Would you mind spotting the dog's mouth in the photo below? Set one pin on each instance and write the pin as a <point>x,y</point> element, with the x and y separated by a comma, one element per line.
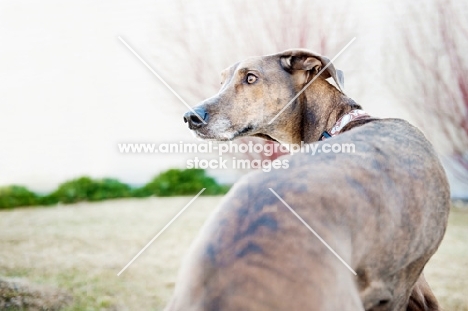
<point>227,135</point>
<point>249,130</point>
<point>265,136</point>
<point>245,131</point>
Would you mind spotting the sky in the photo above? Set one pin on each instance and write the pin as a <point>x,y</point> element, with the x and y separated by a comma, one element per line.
<point>70,91</point>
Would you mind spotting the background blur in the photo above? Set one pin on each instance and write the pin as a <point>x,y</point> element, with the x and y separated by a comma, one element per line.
<point>70,90</point>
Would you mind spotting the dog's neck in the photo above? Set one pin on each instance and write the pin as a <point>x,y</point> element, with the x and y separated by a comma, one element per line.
<point>318,109</point>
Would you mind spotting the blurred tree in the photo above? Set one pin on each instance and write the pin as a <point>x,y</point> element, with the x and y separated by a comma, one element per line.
<point>431,76</point>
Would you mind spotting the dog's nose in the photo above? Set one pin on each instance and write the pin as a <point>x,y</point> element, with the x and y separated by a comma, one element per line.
<point>196,118</point>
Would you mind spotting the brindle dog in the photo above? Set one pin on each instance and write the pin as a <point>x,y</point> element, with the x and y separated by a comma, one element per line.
<point>383,208</point>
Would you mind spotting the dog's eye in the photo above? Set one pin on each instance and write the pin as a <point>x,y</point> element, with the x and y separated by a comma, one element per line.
<point>251,78</point>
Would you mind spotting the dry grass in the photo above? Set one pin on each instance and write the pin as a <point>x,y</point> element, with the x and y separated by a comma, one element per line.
<point>447,271</point>
<point>20,295</point>
<point>82,247</point>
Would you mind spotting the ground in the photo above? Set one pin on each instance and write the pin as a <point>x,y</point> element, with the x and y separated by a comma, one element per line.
<point>80,248</point>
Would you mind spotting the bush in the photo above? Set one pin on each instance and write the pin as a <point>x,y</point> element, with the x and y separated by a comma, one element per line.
<point>109,188</point>
<point>14,196</point>
<point>173,182</point>
<point>87,189</point>
<point>176,182</point>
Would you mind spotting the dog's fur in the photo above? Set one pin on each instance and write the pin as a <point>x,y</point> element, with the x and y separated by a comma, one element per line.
<point>383,209</point>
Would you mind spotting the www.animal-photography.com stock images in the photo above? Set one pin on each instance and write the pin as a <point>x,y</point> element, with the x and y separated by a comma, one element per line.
<point>236,155</point>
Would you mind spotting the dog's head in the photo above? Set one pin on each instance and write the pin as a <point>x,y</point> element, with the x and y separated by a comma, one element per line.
<point>255,96</point>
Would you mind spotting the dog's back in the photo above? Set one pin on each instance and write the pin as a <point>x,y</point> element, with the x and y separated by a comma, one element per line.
<point>383,209</point>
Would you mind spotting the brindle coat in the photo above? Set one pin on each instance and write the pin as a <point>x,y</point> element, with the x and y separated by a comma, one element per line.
<point>383,209</point>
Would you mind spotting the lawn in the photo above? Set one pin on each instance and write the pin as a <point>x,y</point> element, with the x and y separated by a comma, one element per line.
<point>81,248</point>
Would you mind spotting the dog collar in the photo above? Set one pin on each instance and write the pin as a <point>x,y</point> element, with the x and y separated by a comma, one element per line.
<point>353,115</point>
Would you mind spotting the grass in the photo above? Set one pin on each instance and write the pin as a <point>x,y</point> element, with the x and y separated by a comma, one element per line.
<point>81,248</point>
<point>447,271</point>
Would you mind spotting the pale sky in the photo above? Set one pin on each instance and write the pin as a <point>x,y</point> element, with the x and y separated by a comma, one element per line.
<point>70,90</point>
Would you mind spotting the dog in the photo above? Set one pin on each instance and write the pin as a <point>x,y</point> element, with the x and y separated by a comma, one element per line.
<point>382,209</point>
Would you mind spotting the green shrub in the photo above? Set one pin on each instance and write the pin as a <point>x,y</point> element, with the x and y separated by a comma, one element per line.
<point>72,191</point>
<point>14,196</point>
<point>87,189</point>
<point>109,188</point>
<point>176,182</point>
<point>173,182</point>
<point>47,200</point>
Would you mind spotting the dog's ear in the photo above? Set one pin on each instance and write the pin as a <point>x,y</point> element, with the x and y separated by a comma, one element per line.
<point>299,59</point>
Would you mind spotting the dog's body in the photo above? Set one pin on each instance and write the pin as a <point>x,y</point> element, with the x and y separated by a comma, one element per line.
<point>383,209</point>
